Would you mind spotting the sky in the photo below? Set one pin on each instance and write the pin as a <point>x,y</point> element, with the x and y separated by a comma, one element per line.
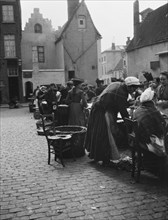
<point>112,18</point>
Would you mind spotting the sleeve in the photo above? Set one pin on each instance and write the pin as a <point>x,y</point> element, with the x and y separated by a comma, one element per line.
<point>122,105</point>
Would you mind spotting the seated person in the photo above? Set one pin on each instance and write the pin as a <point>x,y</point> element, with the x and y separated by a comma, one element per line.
<point>151,124</point>
<point>162,93</point>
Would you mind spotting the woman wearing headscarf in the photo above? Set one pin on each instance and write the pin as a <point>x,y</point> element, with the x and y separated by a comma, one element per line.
<point>151,123</point>
<point>77,102</point>
<point>102,129</point>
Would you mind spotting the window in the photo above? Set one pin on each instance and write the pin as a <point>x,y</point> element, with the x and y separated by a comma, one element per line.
<point>81,22</point>
<point>37,28</point>
<point>38,54</point>
<point>71,74</point>
<point>9,45</point>
<point>40,51</point>
<point>7,12</point>
<point>12,71</point>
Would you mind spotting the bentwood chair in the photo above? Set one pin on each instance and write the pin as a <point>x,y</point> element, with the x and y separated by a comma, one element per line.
<point>133,141</point>
<point>57,143</point>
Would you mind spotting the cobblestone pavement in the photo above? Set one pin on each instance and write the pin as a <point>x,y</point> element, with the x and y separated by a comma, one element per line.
<point>32,189</point>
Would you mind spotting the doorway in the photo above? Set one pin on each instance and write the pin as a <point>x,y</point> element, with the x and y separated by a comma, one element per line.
<point>13,88</point>
<point>28,89</point>
<point>71,74</point>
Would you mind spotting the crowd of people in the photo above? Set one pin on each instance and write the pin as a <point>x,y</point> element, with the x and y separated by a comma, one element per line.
<point>149,105</point>
<point>145,102</point>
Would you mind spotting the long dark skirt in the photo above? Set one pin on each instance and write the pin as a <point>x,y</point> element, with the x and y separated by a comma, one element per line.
<point>76,115</point>
<point>99,141</point>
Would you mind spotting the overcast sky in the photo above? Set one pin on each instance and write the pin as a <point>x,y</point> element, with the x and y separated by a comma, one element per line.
<point>112,18</point>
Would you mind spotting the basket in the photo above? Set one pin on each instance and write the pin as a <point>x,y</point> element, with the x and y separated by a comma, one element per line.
<point>78,135</point>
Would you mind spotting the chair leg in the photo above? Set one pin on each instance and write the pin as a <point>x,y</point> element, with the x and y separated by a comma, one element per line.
<point>139,166</point>
<point>49,155</point>
<point>133,164</point>
<point>60,153</point>
<point>61,159</point>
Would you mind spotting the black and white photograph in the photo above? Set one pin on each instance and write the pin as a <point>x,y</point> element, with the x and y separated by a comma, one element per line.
<point>84,109</point>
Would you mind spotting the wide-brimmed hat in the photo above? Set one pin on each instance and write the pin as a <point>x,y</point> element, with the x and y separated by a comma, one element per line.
<point>77,81</point>
<point>69,83</point>
<point>132,81</point>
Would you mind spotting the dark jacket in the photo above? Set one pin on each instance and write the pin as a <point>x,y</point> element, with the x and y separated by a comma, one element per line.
<point>150,121</point>
<point>114,99</point>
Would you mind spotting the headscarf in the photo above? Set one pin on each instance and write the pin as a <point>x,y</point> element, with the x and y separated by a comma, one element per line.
<point>147,95</point>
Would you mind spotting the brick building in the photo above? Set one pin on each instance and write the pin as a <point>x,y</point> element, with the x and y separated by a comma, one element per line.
<point>10,51</point>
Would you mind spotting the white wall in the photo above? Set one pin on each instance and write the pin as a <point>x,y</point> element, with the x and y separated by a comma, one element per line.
<point>45,77</point>
<point>139,60</point>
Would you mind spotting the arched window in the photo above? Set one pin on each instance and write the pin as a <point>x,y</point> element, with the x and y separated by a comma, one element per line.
<point>37,28</point>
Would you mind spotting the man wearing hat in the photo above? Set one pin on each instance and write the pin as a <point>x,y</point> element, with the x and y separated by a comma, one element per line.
<point>102,129</point>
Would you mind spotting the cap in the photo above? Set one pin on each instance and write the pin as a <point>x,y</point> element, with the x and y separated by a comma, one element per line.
<point>132,81</point>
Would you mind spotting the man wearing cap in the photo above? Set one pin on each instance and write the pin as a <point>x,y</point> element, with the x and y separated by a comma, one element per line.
<point>102,129</point>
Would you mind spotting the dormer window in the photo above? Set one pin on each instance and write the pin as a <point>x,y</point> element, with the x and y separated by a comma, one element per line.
<point>81,22</point>
<point>37,28</point>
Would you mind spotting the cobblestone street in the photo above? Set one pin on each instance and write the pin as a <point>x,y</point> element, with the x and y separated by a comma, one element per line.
<point>32,189</point>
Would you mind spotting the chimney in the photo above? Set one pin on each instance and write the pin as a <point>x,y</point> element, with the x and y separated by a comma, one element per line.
<point>72,4</point>
<point>113,46</point>
<point>136,20</point>
<point>145,13</point>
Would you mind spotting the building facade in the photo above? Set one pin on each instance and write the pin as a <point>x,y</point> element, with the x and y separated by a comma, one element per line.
<point>80,43</point>
<point>148,50</point>
<point>113,63</point>
<point>40,63</point>
<point>10,51</point>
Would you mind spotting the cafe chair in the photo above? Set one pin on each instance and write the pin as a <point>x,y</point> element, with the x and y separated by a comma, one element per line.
<point>57,143</point>
<point>142,159</point>
<point>133,141</point>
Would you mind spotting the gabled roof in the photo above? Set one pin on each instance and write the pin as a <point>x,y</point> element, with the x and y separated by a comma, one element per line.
<point>66,25</point>
<point>117,48</point>
<point>119,65</point>
<point>153,30</point>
